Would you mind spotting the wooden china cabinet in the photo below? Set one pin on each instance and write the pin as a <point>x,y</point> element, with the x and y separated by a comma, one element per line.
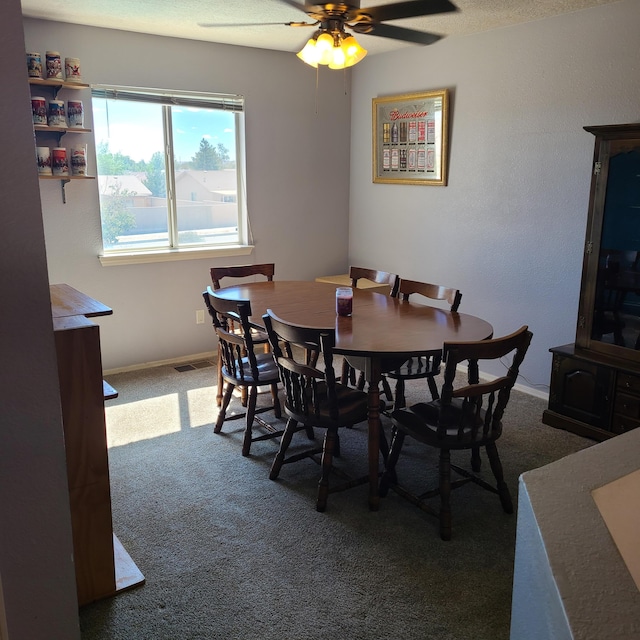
<point>595,383</point>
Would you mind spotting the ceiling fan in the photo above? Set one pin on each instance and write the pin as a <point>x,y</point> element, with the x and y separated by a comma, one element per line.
<point>333,46</point>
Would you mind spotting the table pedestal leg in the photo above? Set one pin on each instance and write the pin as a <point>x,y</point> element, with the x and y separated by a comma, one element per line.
<point>373,375</point>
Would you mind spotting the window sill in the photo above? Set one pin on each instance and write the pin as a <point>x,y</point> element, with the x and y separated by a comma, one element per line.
<point>140,257</point>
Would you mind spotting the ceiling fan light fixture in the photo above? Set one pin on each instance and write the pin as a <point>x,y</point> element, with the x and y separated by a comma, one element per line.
<point>337,51</point>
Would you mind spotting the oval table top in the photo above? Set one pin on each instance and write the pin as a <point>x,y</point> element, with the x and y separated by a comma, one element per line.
<point>379,326</point>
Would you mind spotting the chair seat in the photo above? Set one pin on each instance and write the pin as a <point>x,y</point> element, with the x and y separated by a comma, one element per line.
<point>259,336</point>
<point>420,421</point>
<point>414,369</point>
<point>267,371</point>
<point>352,405</point>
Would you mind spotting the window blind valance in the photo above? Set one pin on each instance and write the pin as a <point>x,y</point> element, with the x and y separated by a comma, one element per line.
<point>224,102</point>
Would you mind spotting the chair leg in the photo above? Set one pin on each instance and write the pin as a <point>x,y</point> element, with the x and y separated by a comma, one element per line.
<point>496,467</point>
<point>278,461</point>
<point>387,389</point>
<point>385,386</point>
<point>383,444</point>
<point>346,371</point>
<point>433,388</point>
<point>336,447</point>
<point>223,408</point>
<point>251,412</point>
<point>445,494</point>
<point>389,476</point>
<point>476,462</point>
<point>399,401</point>
<point>330,441</point>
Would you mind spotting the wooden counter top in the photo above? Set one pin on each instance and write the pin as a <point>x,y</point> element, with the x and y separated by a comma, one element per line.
<point>67,301</point>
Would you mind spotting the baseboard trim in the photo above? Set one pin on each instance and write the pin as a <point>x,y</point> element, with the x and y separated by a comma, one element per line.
<point>207,355</point>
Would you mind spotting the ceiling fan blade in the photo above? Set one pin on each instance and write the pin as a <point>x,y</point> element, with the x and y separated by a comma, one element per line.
<point>241,24</point>
<point>301,7</point>
<point>397,33</point>
<point>408,9</point>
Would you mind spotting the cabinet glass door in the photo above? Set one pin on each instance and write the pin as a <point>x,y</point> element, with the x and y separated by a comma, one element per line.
<point>611,289</point>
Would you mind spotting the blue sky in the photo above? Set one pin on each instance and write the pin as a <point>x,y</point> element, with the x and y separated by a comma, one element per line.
<point>135,129</point>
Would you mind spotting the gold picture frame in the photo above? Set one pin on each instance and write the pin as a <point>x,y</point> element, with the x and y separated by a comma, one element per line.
<point>410,138</point>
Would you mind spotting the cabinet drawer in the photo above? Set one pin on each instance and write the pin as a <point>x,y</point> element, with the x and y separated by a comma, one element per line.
<point>626,405</point>
<point>621,424</point>
<point>627,382</point>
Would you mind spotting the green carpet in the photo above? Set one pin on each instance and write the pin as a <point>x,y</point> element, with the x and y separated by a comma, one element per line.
<point>229,554</point>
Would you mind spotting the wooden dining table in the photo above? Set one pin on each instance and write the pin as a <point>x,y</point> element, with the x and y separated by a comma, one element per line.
<point>381,334</point>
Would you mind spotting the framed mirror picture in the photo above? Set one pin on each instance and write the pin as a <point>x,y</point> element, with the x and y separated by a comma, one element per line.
<point>410,138</point>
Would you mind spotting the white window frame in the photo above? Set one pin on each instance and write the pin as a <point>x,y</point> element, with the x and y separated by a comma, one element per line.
<point>163,97</point>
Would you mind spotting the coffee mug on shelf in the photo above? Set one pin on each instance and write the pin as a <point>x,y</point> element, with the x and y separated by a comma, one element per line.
<point>34,65</point>
<point>59,163</point>
<point>54,65</point>
<point>55,116</point>
<point>39,110</point>
<point>75,114</point>
<point>79,161</point>
<point>43,155</point>
<point>72,70</point>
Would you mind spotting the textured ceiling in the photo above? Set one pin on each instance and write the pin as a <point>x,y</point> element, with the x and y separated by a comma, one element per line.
<point>182,18</point>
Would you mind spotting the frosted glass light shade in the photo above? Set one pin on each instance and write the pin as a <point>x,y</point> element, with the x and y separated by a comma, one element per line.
<point>335,51</point>
<point>308,53</point>
<point>353,52</point>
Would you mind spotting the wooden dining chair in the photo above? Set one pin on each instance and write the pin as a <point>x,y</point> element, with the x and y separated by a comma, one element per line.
<point>241,366</point>
<point>314,399</point>
<point>420,367</point>
<point>379,277</point>
<point>373,275</point>
<point>241,271</point>
<point>465,418</point>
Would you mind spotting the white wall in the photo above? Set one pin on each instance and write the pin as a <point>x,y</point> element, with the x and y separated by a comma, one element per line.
<point>37,580</point>
<point>297,182</point>
<point>508,230</point>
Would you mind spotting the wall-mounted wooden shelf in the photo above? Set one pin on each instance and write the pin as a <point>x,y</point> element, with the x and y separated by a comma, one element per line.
<point>48,129</point>
<point>67,178</point>
<point>53,86</point>
<point>57,84</point>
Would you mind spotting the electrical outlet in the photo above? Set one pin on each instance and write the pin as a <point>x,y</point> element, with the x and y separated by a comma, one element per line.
<point>200,316</point>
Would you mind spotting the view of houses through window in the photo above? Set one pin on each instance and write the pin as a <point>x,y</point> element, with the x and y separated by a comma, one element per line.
<point>169,169</point>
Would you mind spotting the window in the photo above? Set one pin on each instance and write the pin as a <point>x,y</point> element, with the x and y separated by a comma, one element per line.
<point>170,170</point>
